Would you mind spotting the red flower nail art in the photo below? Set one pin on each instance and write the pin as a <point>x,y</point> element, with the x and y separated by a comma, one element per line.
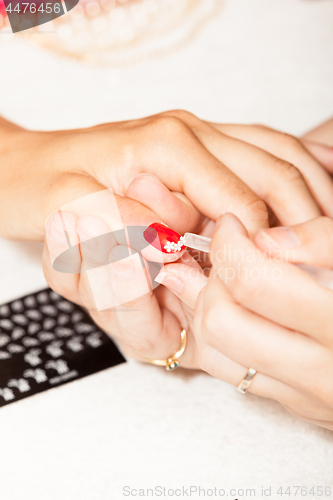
<point>164,239</point>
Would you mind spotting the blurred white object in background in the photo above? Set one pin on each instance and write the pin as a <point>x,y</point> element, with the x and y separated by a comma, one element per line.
<point>117,33</point>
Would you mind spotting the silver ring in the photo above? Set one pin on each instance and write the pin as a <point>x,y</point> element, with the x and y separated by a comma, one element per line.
<point>247,381</point>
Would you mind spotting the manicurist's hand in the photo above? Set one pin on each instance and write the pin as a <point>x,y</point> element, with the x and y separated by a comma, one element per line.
<point>259,310</point>
<point>203,173</point>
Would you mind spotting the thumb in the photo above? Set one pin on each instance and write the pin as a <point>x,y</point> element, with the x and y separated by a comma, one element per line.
<point>308,243</point>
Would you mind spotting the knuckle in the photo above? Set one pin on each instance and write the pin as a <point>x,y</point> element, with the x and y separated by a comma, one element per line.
<point>139,345</point>
<point>210,323</point>
<point>257,209</point>
<point>290,142</point>
<point>167,126</point>
<point>217,323</point>
<point>183,115</point>
<point>248,285</point>
<point>288,172</point>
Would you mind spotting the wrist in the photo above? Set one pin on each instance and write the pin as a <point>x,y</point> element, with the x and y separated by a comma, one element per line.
<point>17,179</point>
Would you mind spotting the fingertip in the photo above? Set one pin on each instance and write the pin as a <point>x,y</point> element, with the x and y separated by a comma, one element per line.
<point>277,239</point>
<point>321,152</point>
<point>230,221</point>
<point>185,281</point>
<point>143,178</point>
<point>125,260</point>
<point>171,206</point>
<point>171,281</point>
<point>90,226</point>
<point>226,226</point>
<point>120,252</point>
<point>59,231</point>
<point>62,242</point>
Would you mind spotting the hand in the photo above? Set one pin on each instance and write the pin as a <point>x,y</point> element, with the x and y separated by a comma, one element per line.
<point>43,171</point>
<point>258,310</point>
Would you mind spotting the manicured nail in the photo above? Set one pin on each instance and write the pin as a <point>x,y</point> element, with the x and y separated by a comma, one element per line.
<point>170,281</point>
<point>58,234</point>
<point>277,238</point>
<point>163,238</point>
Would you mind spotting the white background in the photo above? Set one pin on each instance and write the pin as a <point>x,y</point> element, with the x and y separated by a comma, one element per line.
<point>267,61</point>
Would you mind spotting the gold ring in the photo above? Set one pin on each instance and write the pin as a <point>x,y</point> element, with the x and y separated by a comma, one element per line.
<point>247,381</point>
<point>172,362</point>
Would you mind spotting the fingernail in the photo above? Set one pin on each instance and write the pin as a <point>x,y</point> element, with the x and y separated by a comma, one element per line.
<point>143,175</point>
<point>58,235</point>
<point>164,238</point>
<point>124,271</point>
<point>87,238</point>
<point>170,281</point>
<point>324,147</point>
<point>277,238</point>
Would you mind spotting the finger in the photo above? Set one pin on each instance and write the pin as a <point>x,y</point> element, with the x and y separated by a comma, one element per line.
<point>217,364</point>
<point>173,208</point>
<point>310,242</point>
<point>323,133</point>
<point>183,280</point>
<point>260,284</point>
<point>214,317</point>
<point>184,165</point>
<point>251,340</point>
<point>131,223</point>
<point>61,256</point>
<point>149,331</point>
<point>323,153</point>
<point>319,423</point>
<point>118,295</point>
<point>293,152</point>
<point>312,412</point>
<point>96,242</point>
<point>270,177</point>
<point>146,233</point>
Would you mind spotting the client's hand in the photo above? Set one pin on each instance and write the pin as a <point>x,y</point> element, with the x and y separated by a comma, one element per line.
<point>40,172</point>
<point>241,169</point>
<point>258,310</point>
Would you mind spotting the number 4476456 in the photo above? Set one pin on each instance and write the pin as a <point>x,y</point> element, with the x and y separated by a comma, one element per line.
<point>32,7</point>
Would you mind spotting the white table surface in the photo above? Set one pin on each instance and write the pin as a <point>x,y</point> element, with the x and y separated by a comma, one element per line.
<point>268,61</point>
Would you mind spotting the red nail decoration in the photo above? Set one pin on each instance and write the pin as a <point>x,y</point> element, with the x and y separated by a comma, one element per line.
<point>164,239</point>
